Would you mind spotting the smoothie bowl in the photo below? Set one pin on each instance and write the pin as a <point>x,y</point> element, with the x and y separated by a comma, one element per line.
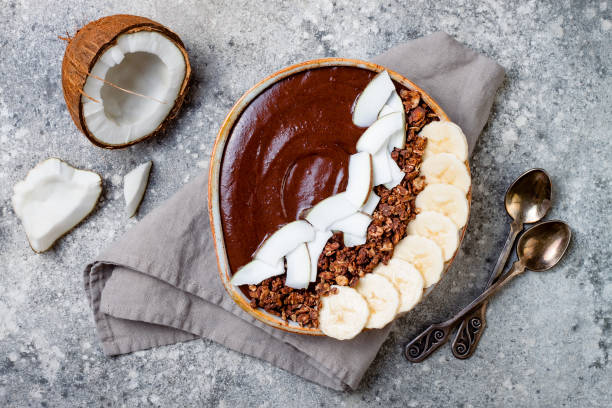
<point>338,196</point>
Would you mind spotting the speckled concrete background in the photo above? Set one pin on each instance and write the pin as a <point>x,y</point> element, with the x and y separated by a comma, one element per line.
<point>549,335</point>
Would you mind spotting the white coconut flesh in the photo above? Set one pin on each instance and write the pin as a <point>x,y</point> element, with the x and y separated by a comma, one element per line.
<point>145,62</point>
<point>53,198</point>
<point>134,185</point>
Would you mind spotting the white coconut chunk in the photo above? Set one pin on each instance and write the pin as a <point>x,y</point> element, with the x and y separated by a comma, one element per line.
<point>315,248</point>
<point>52,199</point>
<point>256,271</point>
<point>298,268</point>
<point>330,210</point>
<point>380,167</point>
<point>398,139</point>
<point>359,178</point>
<point>377,135</point>
<point>351,240</point>
<point>355,224</point>
<point>285,240</point>
<point>386,109</point>
<point>371,204</point>
<point>395,102</point>
<point>145,62</point>
<point>372,99</point>
<point>134,186</point>
<point>397,175</point>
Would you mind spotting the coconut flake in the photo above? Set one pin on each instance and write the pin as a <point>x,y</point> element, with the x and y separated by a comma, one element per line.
<point>256,271</point>
<point>355,224</point>
<point>372,99</point>
<point>284,240</point>
<point>330,210</point>
<point>52,199</point>
<point>134,186</point>
<point>397,175</point>
<point>351,240</point>
<point>298,268</point>
<point>371,204</point>
<point>315,248</point>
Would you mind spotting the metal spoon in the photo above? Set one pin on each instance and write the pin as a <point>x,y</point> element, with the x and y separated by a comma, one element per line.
<point>538,249</point>
<point>527,200</point>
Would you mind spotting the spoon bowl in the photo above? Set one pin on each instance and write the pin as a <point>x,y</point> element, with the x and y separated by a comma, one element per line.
<point>541,247</point>
<point>528,199</point>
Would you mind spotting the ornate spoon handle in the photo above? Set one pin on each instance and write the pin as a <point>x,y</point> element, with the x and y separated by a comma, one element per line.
<point>469,332</point>
<point>427,342</point>
<point>437,334</point>
<point>472,326</point>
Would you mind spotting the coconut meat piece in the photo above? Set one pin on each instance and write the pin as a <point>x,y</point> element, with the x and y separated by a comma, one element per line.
<point>355,224</point>
<point>134,186</point>
<point>145,62</point>
<point>52,199</point>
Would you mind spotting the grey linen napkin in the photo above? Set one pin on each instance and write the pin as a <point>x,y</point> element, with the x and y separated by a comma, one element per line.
<point>159,285</point>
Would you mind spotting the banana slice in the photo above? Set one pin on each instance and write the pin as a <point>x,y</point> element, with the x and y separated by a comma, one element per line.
<point>439,228</point>
<point>382,297</point>
<point>445,168</point>
<point>445,137</point>
<point>445,199</point>
<point>407,280</point>
<point>424,254</point>
<point>343,315</point>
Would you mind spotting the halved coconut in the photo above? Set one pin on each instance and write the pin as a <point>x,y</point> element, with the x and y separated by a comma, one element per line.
<point>124,77</point>
<point>53,199</point>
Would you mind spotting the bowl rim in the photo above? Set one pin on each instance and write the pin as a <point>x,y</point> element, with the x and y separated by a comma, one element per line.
<point>215,171</point>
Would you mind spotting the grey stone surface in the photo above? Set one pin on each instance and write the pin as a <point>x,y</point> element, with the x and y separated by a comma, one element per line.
<point>549,337</point>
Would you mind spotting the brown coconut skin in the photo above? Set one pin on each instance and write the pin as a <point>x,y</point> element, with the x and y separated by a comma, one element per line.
<point>83,51</point>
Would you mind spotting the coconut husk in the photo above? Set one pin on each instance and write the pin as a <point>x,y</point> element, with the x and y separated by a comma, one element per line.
<point>83,51</point>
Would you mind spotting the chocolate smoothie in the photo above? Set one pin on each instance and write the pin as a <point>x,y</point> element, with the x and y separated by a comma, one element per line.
<point>288,151</point>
